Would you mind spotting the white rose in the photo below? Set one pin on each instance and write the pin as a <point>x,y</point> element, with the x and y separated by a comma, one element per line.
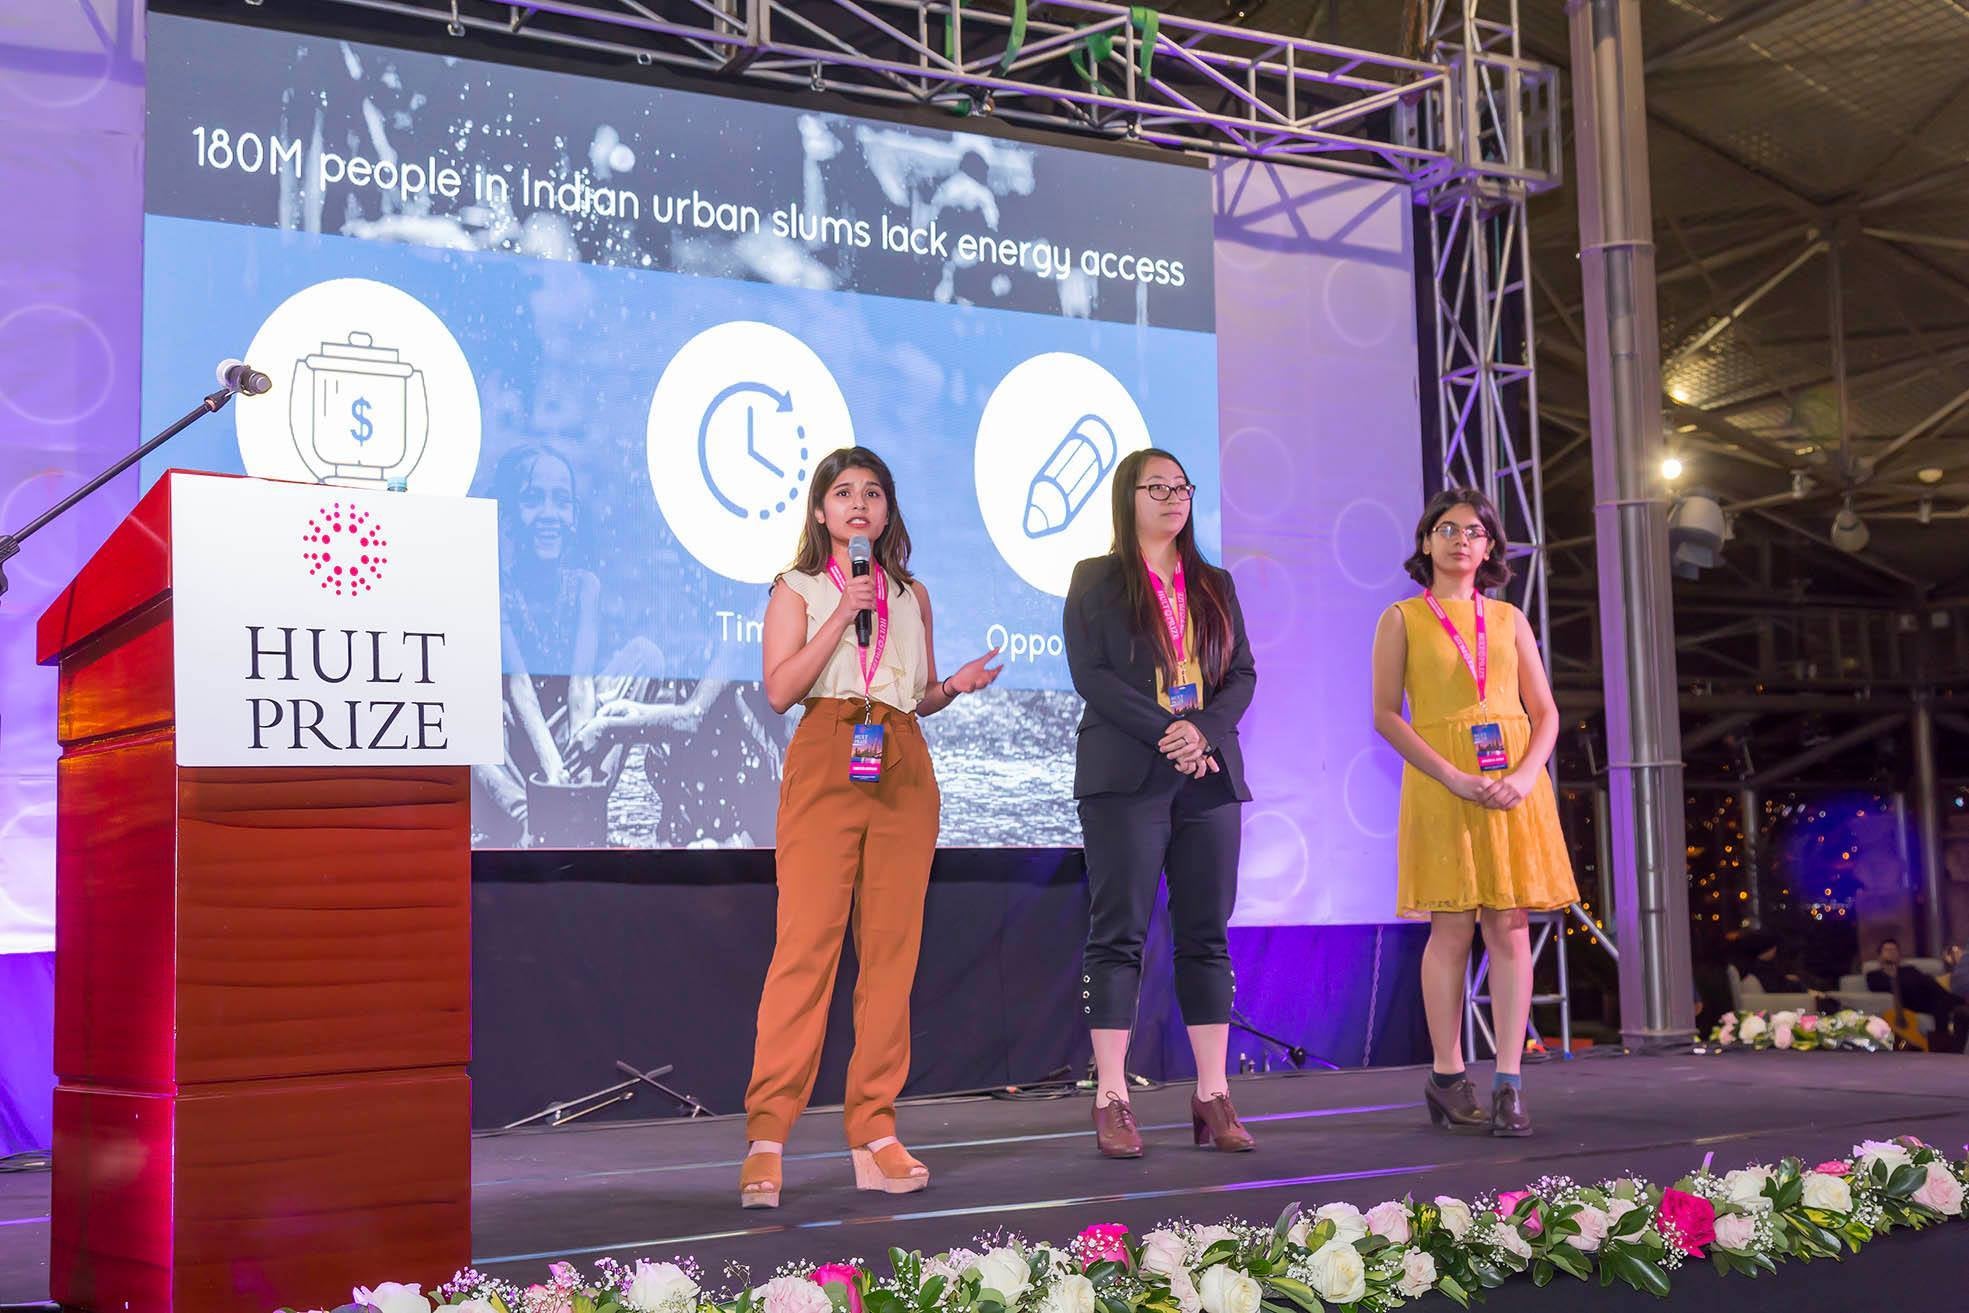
<point>655,1286</point>
<point>1734,1232</point>
<point>1006,1271</point>
<point>1349,1222</point>
<point>1870,1152</point>
<point>393,1297</point>
<point>1058,1261</point>
<point>1389,1221</point>
<point>1163,1252</point>
<point>1337,1274</point>
<point>1827,1193</point>
<point>1226,1290</point>
<point>1183,1290</point>
<point>1070,1294</point>
<point>1753,1026</point>
<point>1592,1223</point>
<point>1418,1275</point>
<point>792,1295</point>
<point>1745,1188</point>
<point>1300,1231</point>
<point>1784,1018</point>
<point>1456,1216</point>
<point>472,1306</point>
<point>1510,1241</point>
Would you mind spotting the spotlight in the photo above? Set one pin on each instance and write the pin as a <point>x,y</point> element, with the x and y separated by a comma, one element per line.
<point>1671,468</point>
<point>1849,531</point>
<point>817,83</point>
<point>1801,485</point>
<point>1932,474</point>
<point>1696,530</point>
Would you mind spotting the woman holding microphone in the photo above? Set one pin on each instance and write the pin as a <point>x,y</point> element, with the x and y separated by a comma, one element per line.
<point>858,817</point>
<point>1156,645</point>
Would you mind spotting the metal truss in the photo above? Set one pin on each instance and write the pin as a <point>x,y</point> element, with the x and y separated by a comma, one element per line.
<point>1081,66</point>
<point>1505,146</point>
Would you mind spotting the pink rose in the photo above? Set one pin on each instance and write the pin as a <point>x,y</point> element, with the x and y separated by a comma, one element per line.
<point>1781,1036</point>
<point>1689,1221</point>
<point>1103,1242</point>
<point>1941,1191</point>
<point>1507,1204</point>
<point>1390,1222</point>
<point>1735,1231</point>
<point>1809,1023</point>
<point>845,1275</point>
<point>1833,1167</point>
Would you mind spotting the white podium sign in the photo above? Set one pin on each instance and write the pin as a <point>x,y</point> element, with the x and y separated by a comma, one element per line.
<point>318,625</point>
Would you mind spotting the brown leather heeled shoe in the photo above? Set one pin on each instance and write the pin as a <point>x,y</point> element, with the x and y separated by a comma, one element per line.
<point>1215,1124</point>
<point>759,1181</point>
<point>1508,1117</point>
<point>1115,1129</point>
<point>891,1169</point>
<point>1455,1109</point>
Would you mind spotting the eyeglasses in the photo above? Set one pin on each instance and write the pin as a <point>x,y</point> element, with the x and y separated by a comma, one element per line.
<point>1471,533</point>
<point>1164,491</point>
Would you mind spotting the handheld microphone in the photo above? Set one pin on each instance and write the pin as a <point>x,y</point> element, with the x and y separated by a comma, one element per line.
<point>858,556</point>
<point>242,378</point>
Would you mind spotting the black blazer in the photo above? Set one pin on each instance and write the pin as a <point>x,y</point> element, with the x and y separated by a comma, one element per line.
<point>1115,672</point>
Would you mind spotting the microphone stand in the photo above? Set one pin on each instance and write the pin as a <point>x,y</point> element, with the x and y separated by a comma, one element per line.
<point>10,543</point>
<point>1296,1054</point>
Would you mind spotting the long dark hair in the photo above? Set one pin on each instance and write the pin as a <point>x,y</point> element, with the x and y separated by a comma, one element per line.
<point>816,546</point>
<point>1209,595</point>
<point>1494,571</point>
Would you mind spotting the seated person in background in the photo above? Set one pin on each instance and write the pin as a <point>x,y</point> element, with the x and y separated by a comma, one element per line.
<point>1958,969</point>
<point>1761,958</point>
<point>1920,992</point>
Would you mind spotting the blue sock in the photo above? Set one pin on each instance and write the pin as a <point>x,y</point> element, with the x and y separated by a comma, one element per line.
<point>1502,1081</point>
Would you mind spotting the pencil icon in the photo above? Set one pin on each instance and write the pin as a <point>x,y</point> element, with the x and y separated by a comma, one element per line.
<point>1065,484</point>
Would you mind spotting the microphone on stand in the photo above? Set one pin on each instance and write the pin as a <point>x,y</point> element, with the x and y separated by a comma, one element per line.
<point>858,556</point>
<point>238,376</point>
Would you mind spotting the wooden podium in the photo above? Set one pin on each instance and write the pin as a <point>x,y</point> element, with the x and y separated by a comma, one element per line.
<point>262,980</point>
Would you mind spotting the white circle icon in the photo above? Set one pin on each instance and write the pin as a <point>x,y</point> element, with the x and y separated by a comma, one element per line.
<point>738,421</point>
<point>369,389</point>
<point>1048,442</point>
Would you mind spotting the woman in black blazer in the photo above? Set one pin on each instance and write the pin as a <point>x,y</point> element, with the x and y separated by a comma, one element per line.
<point>1155,641</point>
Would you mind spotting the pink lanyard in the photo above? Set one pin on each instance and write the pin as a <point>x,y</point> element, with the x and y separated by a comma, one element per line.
<point>1478,665</point>
<point>1176,611</point>
<point>868,658</point>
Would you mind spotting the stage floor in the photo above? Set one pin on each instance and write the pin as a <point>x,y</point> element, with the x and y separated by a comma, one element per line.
<point>669,1187</point>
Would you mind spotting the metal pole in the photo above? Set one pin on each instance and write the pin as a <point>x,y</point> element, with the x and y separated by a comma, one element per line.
<point>1928,815</point>
<point>1644,771</point>
<point>1753,857</point>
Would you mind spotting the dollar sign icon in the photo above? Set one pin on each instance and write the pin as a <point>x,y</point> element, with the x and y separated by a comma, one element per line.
<point>359,411</point>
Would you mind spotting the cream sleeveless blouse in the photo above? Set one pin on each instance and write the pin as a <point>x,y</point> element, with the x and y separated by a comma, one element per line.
<point>904,675</point>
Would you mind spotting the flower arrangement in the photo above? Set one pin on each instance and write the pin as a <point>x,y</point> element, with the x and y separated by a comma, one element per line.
<point>1746,1221</point>
<point>1803,1031</point>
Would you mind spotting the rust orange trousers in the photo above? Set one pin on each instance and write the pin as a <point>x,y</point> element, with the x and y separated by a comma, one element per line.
<point>848,855</point>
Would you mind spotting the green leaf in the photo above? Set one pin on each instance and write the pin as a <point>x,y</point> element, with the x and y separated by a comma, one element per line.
<point>1287,1216</point>
<point>1541,1273</point>
<point>1633,1223</point>
<point>1114,1305</point>
<point>1298,1292</point>
<point>1454,1289</point>
<point>1905,1181</point>
<point>1105,1271</point>
<point>583,1304</point>
<point>1570,1261</point>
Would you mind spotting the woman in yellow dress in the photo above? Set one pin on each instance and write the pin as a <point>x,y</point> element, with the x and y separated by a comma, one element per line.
<point>1478,841</point>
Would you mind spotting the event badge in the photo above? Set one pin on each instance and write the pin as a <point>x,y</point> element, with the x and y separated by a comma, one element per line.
<point>1183,698</point>
<point>1175,604</point>
<point>1489,741</point>
<point>865,754</point>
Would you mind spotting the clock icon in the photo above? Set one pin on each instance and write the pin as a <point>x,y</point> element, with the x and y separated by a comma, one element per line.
<point>752,451</point>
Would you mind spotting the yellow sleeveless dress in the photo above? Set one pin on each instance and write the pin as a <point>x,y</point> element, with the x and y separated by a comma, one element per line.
<point>1452,855</point>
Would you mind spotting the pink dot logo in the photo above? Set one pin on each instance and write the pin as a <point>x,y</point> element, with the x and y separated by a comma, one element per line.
<point>344,549</point>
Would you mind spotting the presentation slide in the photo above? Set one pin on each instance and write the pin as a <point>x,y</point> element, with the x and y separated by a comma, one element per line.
<point>638,318</point>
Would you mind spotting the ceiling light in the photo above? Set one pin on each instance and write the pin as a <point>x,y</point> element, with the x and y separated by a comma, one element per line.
<point>1849,531</point>
<point>1671,468</point>
<point>1932,474</point>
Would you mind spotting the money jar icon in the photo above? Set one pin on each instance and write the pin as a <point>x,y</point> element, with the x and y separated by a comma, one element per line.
<point>360,415</point>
